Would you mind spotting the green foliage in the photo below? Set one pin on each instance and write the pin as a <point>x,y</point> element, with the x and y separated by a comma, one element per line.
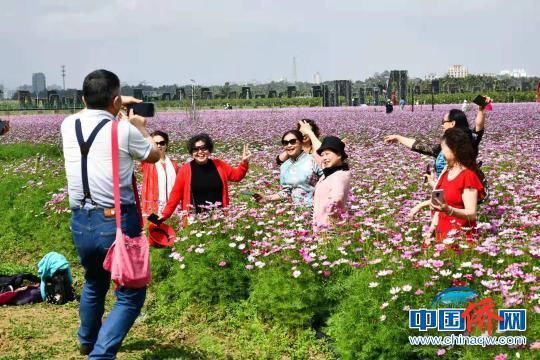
<point>21,151</point>
<point>278,296</point>
<point>28,231</point>
<point>356,326</point>
<point>457,98</point>
<point>203,279</point>
<point>241,103</point>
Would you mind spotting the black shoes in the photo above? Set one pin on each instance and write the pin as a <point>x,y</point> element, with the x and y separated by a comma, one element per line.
<point>85,350</point>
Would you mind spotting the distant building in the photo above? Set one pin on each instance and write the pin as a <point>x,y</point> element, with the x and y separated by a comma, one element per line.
<point>25,87</point>
<point>150,93</point>
<point>317,78</point>
<point>54,87</point>
<point>9,94</point>
<point>515,73</point>
<point>431,76</point>
<point>39,85</point>
<point>458,71</point>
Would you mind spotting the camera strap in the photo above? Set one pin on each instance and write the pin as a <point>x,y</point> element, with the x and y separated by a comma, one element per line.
<point>85,149</point>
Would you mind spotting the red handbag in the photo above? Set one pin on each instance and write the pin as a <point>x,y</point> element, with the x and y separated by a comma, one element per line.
<point>128,259</point>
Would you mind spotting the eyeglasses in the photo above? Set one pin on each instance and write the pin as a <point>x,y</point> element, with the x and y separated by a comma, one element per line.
<point>199,148</point>
<point>287,142</point>
<point>161,143</point>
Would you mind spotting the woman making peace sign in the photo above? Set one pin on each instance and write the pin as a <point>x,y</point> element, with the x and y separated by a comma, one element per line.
<point>203,182</point>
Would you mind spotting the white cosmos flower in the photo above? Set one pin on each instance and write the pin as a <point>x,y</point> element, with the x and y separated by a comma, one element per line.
<point>446,272</point>
<point>395,290</point>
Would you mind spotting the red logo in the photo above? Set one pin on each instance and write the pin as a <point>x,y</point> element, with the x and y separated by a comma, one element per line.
<point>481,315</point>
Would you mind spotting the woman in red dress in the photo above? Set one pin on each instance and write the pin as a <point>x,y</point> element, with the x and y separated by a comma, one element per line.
<point>158,178</point>
<point>461,185</point>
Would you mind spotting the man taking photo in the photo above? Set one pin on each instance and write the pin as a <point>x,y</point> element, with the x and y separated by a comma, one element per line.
<point>86,138</point>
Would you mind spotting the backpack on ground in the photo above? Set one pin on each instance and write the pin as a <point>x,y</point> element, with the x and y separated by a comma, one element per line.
<point>56,281</point>
<point>58,288</point>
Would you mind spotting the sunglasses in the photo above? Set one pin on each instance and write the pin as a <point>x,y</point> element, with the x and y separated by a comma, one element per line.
<point>287,142</point>
<point>446,121</point>
<point>161,143</point>
<point>199,148</point>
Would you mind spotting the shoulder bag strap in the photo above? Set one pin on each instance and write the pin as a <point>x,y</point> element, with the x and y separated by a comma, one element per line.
<point>137,201</point>
<point>116,174</point>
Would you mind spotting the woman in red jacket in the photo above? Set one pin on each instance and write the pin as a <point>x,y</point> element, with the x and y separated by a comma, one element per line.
<point>203,182</point>
<point>158,178</point>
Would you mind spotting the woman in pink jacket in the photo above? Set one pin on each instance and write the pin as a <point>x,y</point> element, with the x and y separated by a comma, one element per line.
<point>332,190</point>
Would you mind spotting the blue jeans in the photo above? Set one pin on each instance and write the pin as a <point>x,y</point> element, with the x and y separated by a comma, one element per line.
<point>93,234</point>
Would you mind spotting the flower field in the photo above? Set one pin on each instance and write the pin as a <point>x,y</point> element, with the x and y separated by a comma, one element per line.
<point>346,293</point>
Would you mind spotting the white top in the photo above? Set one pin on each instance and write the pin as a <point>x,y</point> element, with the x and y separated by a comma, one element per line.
<point>132,146</point>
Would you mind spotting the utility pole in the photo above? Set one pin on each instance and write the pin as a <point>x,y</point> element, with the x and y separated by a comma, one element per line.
<point>192,95</point>
<point>432,98</point>
<point>64,77</point>
<point>412,99</point>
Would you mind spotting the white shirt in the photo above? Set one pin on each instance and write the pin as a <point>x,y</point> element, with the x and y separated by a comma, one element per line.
<point>132,146</point>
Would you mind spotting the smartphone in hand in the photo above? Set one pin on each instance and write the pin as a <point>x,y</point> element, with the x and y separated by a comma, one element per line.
<point>482,102</point>
<point>437,195</point>
<point>142,109</point>
<point>153,218</point>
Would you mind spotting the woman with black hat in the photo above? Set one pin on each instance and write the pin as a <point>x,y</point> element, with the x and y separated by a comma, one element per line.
<point>332,190</point>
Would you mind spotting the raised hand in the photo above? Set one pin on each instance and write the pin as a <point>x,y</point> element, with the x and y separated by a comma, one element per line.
<point>246,154</point>
<point>136,120</point>
<point>305,127</point>
<point>127,100</point>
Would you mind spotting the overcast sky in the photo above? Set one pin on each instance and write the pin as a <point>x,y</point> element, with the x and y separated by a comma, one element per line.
<point>171,42</point>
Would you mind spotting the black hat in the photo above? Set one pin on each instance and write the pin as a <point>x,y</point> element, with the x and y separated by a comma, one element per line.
<point>335,144</point>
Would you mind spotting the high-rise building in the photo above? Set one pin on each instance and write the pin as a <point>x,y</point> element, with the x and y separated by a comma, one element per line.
<point>39,85</point>
<point>458,71</point>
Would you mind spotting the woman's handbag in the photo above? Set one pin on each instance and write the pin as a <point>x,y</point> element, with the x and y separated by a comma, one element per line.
<point>128,259</point>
